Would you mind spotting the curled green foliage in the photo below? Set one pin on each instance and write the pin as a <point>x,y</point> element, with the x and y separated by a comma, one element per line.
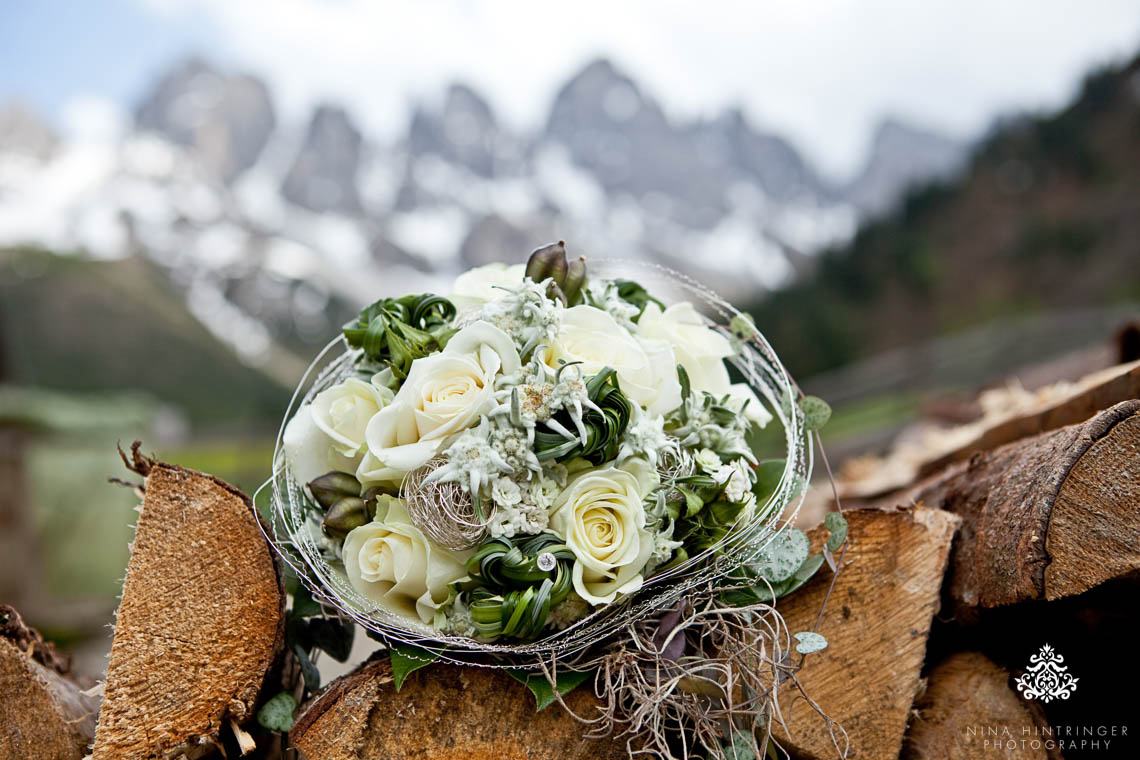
<point>603,430</point>
<point>514,596</point>
<point>397,331</point>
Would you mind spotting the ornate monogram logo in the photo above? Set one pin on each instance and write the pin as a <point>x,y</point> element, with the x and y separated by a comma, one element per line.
<point>1047,679</point>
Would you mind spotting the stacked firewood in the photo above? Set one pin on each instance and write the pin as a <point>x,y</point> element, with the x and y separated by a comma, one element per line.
<point>1026,535</point>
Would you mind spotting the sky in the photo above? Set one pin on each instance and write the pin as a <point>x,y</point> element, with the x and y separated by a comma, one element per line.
<point>820,72</point>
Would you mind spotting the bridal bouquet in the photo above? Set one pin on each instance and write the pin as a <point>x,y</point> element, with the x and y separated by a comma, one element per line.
<point>544,457</point>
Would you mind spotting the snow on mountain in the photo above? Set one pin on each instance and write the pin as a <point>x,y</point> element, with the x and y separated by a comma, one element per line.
<point>291,226</point>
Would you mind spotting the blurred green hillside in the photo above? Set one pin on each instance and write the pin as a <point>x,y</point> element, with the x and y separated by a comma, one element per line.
<point>1045,219</point>
<point>76,324</point>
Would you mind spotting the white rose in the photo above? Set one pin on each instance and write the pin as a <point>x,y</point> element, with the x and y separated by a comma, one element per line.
<point>646,369</point>
<point>601,517</point>
<point>477,286</point>
<point>390,562</point>
<point>344,410</point>
<point>444,394</point>
<point>701,351</point>
<point>309,450</point>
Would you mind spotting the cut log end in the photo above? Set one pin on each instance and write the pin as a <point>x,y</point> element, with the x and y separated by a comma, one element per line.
<point>876,622</point>
<point>200,622</point>
<point>42,715</point>
<point>968,711</point>
<point>445,712</point>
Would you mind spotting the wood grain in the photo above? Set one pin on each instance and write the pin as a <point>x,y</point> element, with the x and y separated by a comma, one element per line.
<point>1044,517</point>
<point>199,625</point>
<point>876,622</point>
<point>444,712</point>
<point>42,715</point>
<point>966,707</point>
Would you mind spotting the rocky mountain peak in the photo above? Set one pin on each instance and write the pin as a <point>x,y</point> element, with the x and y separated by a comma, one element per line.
<point>901,156</point>
<point>323,175</point>
<point>464,131</point>
<point>225,118</point>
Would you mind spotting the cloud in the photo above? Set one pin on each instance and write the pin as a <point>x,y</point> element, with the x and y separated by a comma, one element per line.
<point>823,72</point>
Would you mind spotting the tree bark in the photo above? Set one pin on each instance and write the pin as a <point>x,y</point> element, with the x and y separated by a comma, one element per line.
<point>968,710</point>
<point>445,712</point>
<point>1093,393</point>
<point>1044,517</point>
<point>200,623</point>
<point>876,622</point>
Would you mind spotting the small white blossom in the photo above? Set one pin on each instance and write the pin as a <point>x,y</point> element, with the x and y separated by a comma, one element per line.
<point>663,548</point>
<point>455,619</point>
<point>519,520</point>
<point>708,460</point>
<point>543,492</point>
<point>737,479</point>
<point>570,611</point>
<point>506,492</point>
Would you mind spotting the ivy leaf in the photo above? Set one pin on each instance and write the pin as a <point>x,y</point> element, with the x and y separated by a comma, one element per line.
<point>809,642</point>
<point>565,681</point>
<point>277,713</point>
<point>332,635</point>
<point>816,412</point>
<point>407,659</point>
<point>303,603</point>
<point>837,525</point>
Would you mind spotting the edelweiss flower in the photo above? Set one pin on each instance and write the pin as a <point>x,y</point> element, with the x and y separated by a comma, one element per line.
<point>471,461</point>
<point>526,314</point>
<point>645,436</point>
<point>521,519</point>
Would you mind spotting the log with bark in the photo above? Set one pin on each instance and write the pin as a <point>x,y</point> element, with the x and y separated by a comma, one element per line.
<point>1090,395</point>
<point>1044,517</point>
<point>876,622</point>
<point>43,714</point>
<point>200,624</point>
<point>968,710</point>
<point>445,712</point>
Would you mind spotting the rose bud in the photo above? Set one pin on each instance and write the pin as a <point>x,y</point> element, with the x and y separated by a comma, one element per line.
<point>333,486</point>
<point>348,513</point>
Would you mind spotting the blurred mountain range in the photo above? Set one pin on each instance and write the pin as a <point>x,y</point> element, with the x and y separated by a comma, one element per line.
<point>1044,222</point>
<point>275,232</point>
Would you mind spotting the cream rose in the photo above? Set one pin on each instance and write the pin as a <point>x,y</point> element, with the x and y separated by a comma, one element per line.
<point>701,351</point>
<point>646,369</point>
<point>343,411</point>
<point>601,517</point>
<point>392,563</point>
<point>444,394</point>
<point>477,286</point>
<point>309,450</point>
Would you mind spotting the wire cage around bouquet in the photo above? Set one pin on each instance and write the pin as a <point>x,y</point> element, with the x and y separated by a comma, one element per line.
<point>300,547</point>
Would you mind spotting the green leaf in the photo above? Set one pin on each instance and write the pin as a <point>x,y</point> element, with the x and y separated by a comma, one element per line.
<point>303,603</point>
<point>308,669</point>
<point>837,525</point>
<point>809,642</point>
<point>333,635</point>
<point>807,570</point>
<point>768,475</point>
<point>816,412</point>
<point>407,659</point>
<point>740,746</point>
<point>783,555</point>
<point>566,681</point>
<point>277,713</point>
